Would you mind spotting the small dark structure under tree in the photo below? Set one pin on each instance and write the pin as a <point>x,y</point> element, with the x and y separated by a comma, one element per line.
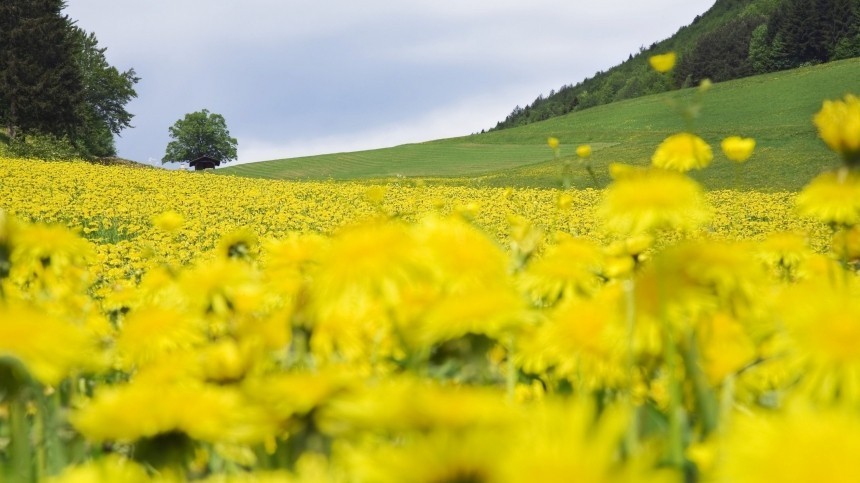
<point>204,162</point>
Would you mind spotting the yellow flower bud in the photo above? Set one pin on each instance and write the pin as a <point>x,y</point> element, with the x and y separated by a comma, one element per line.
<point>664,62</point>
<point>838,124</point>
<point>169,221</point>
<point>682,152</point>
<point>375,195</point>
<point>565,201</point>
<point>738,149</point>
<point>584,151</point>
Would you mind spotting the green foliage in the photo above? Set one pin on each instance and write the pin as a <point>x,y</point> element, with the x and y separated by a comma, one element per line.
<point>805,32</point>
<point>199,134</point>
<point>733,39</point>
<point>775,109</point>
<point>40,85</point>
<point>42,146</point>
<point>56,85</point>
<point>107,91</point>
<point>722,54</point>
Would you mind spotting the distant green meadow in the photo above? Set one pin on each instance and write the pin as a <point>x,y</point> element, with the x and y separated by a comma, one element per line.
<point>775,109</point>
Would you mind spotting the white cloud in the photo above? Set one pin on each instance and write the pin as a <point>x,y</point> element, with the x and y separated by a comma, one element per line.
<point>454,120</point>
<point>306,61</point>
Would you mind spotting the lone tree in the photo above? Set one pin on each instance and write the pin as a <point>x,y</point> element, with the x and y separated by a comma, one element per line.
<point>200,134</point>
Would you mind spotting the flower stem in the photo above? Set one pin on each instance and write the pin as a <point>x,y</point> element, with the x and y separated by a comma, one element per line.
<point>20,449</point>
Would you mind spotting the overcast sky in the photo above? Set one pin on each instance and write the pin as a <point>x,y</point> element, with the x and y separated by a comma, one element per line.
<point>298,77</point>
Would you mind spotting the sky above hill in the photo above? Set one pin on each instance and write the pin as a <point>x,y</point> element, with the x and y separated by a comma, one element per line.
<point>299,77</point>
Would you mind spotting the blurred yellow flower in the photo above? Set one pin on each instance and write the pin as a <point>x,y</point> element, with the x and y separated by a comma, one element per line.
<point>241,244</point>
<point>832,198</point>
<point>838,124</point>
<point>726,347</point>
<point>569,269</point>
<point>168,221</point>
<point>375,194</point>
<point>823,323</point>
<point>50,348</point>
<point>663,62</point>
<point>655,199</point>
<point>583,151</point>
<point>682,152</point>
<point>552,142</point>
<point>433,458</point>
<point>108,468</point>
<point>127,413</point>
<point>799,444</point>
<point>738,149</point>
<point>152,332</point>
<point>564,201</point>
<point>846,243</point>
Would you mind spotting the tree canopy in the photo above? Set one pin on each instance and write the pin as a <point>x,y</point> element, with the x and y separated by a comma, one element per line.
<point>733,39</point>
<point>106,93</point>
<point>55,82</point>
<point>199,134</point>
<point>40,84</point>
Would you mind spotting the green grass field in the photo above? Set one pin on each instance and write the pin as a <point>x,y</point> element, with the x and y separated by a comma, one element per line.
<point>776,109</point>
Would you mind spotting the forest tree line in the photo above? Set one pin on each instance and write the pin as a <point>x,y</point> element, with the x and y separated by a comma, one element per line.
<point>734,39</point>
<point>59,97</point>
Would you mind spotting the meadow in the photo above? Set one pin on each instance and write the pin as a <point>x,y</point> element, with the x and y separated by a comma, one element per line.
<point>179,326</point>
<point>775,109</point>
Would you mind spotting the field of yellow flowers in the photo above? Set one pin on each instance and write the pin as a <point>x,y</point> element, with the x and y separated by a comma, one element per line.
<point>173,326</point>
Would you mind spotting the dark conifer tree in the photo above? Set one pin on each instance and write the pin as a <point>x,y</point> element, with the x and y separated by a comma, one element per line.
<point>40,85</point>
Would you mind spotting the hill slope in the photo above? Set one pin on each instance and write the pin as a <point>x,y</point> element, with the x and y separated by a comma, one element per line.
<point>776,109</point>
<point>732,40</point>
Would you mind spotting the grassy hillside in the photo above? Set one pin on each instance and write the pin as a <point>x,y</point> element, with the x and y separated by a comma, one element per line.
<point>776,109</point>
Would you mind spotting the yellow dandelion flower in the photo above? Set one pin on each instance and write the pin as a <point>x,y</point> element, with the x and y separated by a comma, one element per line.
<point>785,253</point>
<point>108,468</point>
<point>725,347</point>
<point>492,312</point>
<point>798,444</point>
<point>406,404</point>
<point>564,201</point>
<point>168,221</point>
<point>563,441</point>
<point>290,395</point>
<point>553,143</point>
<point>846,243</point>
<point>583,341</point>
<point>583,151</point>
<point>437,457</point>
<point>375,194</point>
<point>569,269</point>
<point>139,410</point>
<point>823,324</point>
<point>218,287</point>
<point>833,198</point>
<point>682,152</point>
<point>654,199</point>
<point>240,244</point>
<point>663,62</point>
<point>152,332</point>
<point>738,149</point>
<point>838,124</point>
<point>48,247</point>
<point>225,361</point>
<point>50,348</point>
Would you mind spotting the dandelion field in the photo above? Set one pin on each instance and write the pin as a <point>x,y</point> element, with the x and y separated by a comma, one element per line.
<point>174,326</point>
